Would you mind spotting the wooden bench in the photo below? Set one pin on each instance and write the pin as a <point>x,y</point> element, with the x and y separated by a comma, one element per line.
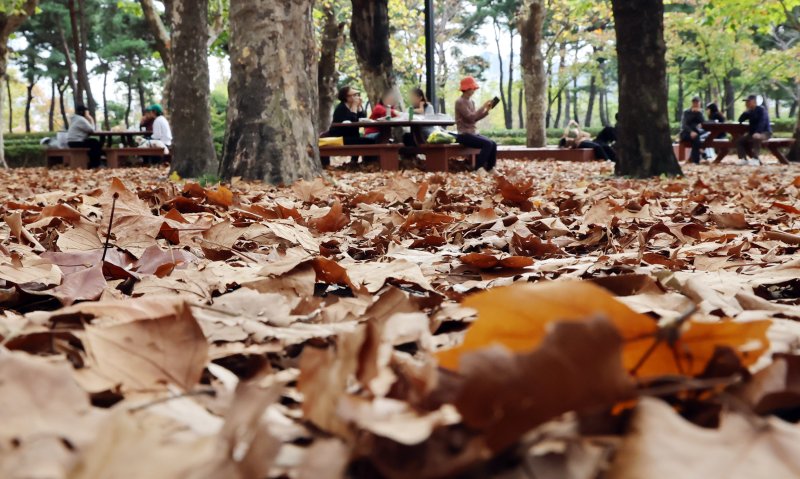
<point>437,157</point>
<point>388,154</point>
<point>558,154</point>
<point>69,157</point>
<point>723,147</point>
<point>115,155</point>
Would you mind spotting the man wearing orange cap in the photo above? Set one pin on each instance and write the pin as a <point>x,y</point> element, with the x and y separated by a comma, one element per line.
<point>467,117</point>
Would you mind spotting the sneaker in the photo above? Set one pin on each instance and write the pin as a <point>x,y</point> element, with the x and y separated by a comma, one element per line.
<point>754,162</point>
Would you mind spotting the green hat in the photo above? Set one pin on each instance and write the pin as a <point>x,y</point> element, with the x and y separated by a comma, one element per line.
<point>156,109</point>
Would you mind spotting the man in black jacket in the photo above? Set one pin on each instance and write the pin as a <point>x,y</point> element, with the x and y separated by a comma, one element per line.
<point>692,128</point>
<point>760,131</point>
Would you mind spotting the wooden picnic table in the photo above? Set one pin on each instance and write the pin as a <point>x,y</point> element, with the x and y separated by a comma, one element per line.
<point>385,127</point>
<point>126,137</point>
<point>735,130</point>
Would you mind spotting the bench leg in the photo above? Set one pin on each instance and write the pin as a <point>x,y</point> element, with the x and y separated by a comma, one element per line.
<point>390,161</point>
<point>436,161</point>
<point>776,151</point>
<point>112,159</point>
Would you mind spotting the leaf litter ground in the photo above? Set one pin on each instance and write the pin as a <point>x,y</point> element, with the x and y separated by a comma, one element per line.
<point>551,321</point>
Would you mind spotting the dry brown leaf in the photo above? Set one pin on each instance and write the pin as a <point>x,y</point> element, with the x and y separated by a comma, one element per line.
<point>335,220</point>
<point>662,445</point>
<point>577,367</point>
<point>150,354</point>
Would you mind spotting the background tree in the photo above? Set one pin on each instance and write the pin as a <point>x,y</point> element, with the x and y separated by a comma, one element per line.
<point>12,14</point>
<point>272,110</point>
<point>331,36</point>
<point>534,77</point>
<point>369,32</point>
<point>644,139</point>
<point>193,147</point>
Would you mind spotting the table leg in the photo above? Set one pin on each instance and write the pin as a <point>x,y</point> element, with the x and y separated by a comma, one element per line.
<point>390,160</point>
<point>721,154</point>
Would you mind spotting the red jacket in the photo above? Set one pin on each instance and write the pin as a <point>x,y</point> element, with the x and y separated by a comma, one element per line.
<point>379,113</point>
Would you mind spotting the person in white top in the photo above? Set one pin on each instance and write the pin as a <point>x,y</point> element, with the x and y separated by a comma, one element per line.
<point>162,133</point>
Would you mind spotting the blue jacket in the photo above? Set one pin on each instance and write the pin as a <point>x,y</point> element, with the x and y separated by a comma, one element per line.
<point>759,120</point>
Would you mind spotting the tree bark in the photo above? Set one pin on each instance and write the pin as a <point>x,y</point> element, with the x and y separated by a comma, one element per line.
<point>520,108</point>
<point>70,69</point>
<point>567,106</point>
<point>510,95</point>
<point>106,121</point>
<point>644,139</point>
<point>794,152</point>
<point>681,93</point>
<point>327,75</point>
<point>193,151</point>
<point>534,78</point>
<point>272,107</point>
<point>369,33</point>
<point>557,123</point>
<point>129,105</point>
<point>80,38</point>
<point>575,115</point>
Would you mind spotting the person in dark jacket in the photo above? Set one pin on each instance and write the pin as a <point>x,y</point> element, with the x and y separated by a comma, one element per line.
<point>714,115</point>
<point>692,129</point>
<point>349,110</point>
<point>760,131</point>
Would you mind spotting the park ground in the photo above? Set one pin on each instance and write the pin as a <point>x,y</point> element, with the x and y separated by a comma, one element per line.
<point>351,289</point>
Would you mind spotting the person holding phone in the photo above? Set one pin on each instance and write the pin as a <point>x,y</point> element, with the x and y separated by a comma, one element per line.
<point>467,117</point>
<point>81,127</point>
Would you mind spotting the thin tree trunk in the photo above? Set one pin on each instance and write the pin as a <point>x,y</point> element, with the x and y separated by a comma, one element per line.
<point>83,71</point>
<point>76,98</point>
<point>534,78</point>
<point>10,105</point>
<point>369,33</point>
<point>193,152</point>
<point>272,132</point>
<point>567,107</point>
<point>602,109</point>
<point>587,122</point>
<point>793,108</point>
<point>80,97</point>
<point>503,100</point>
<point>777,108</point>
<point>129,105</point>
<point>681,93</point>
<point>327,75</point>
<point>510,95</point>
<point>557,123</point>
<point>28,101</point>
<point>794,153</point>
<point>162,41</point>
<point>106,120</point>
<point>575,115</point>
<point>729,97</point>
<point>140,91</point>
<point>520,109</point>
<point>51,114</point>
<point>62,106</point>
<point>644,137</point>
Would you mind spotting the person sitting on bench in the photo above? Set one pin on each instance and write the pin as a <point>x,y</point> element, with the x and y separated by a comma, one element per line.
<point>575,138</point>
<point>81,127</point>
<point>421,106</point>
<point>760,131</point>
<point>692,129</point>
<point>162,133</point>
<point>385,109</point>
<point>349,110</point>
<point>608,136</point>
<point>466,119</point>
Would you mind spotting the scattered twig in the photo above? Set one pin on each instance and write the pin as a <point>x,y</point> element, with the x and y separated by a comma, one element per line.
<point>110,223</point>
<point>197,392</point>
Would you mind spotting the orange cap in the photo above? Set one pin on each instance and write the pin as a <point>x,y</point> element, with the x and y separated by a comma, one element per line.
<point>469,83</point>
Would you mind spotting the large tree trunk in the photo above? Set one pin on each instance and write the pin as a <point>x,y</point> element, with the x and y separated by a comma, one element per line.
<point>533,71</point>
<point>369,32</point>
<point>8,25</point>
<point>193,143</point>
<point>644,140</point>
<point>272,110</point>
<point>327,75</point>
